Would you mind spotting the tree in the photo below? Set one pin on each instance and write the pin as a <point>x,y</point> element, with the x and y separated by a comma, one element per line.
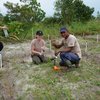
<point>64,10</point>
<point>1,18</point>
<point>72,10</point>
<point>82,12</point>
<point>51,21</point>
<point>29,11</point>
<point>98,15</point>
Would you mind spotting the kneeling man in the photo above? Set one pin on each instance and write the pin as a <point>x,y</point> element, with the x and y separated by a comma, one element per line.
<point>70,52</point>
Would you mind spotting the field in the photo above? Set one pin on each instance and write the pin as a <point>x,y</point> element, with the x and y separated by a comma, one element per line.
<point>22,80</point>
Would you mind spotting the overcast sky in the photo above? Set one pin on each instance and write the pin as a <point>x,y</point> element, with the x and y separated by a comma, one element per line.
<point>48,5</point>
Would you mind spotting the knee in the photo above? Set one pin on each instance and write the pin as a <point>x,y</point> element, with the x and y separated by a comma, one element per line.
<point>62,54</point>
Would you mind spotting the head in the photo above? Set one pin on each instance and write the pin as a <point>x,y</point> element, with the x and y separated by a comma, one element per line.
<point>64,32</point>
<point>39,35</point>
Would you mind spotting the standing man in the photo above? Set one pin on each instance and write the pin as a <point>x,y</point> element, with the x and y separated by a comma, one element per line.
<point>37,48</point>
<point>69,49</point>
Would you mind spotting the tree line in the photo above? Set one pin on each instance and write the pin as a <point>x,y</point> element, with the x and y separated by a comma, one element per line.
<point>29,11</point>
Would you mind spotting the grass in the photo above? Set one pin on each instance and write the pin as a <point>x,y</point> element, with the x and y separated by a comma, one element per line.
<point>52,85</point>
<point>77,28</point>
<point>88,28</point>
<point>41,82</point>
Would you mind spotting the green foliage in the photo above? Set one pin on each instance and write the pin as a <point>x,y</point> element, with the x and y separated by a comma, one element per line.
<point>30,11</point>
<point>11,38</point>
<point>51,20</point>
<point>72,10</point>
<point>51,30</point>
<point>1,19</point>
<point>64,10</point>
<point>88,28</point>
<point>7,18</point>
<point>15,27</point>
<point>19,29</point>
<point>26,31</point>
<point>82,12</point>
<point>98,15</point>
<point>77,28</point>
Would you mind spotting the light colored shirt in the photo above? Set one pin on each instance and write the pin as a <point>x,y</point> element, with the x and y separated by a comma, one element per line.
<point>71,41</point>
<point>38,44</point>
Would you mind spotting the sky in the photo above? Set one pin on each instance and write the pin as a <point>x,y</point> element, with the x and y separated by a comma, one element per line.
<point>48,5</point>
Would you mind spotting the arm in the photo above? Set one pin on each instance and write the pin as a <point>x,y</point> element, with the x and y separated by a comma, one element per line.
<point>33,51</point>
<point>70,45</point>
<point>68,49</point>
<point>43,48</point>
<point>57,46</point>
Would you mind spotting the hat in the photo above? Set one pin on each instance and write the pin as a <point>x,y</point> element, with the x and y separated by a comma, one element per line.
<point>63,29</point>
<point>40,33</point>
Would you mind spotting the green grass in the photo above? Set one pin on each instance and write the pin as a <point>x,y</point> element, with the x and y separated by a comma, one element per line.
<point>59,85</point>
<point>77,28</point>
<point>88,28</point>
<point>28,31</point>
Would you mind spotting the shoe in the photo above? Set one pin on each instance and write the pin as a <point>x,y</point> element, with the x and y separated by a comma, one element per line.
<point>77,64</point>
<point>62,63</point>
<point>68,63</point>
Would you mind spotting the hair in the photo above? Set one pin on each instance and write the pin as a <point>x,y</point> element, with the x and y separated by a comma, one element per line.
<point>40,33</point>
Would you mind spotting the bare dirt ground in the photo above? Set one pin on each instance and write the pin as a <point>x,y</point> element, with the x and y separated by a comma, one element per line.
<point>16,77</point>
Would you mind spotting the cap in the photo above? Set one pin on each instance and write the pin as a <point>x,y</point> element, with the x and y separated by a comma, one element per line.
<point>63,29</point>
<point>40,33</point>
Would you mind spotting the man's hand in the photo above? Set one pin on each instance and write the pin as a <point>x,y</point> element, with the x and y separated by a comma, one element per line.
<point>57,52</point>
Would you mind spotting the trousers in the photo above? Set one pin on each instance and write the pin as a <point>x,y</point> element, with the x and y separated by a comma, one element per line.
<point>74,58</point>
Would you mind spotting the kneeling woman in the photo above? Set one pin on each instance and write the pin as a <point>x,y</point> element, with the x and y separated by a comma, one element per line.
<point>37,46</point>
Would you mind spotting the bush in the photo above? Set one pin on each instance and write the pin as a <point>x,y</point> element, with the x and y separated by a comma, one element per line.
<point>15,27</point>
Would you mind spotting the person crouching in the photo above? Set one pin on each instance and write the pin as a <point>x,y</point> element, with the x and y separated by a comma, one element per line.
<point>37,46</point>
